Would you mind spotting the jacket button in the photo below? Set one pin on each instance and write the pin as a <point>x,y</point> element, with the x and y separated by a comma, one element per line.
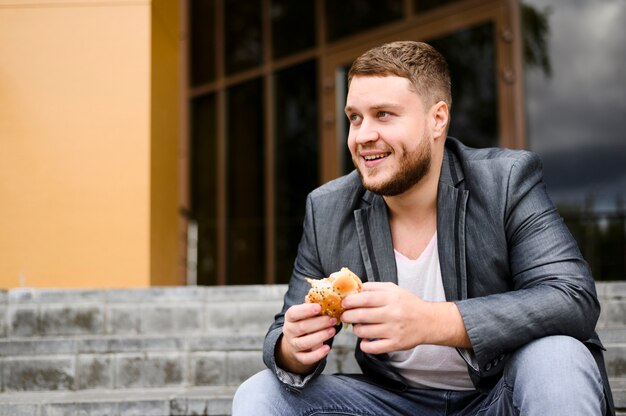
<point>488,367</point>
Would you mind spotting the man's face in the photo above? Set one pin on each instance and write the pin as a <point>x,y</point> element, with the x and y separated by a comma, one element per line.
<point>389,138</point>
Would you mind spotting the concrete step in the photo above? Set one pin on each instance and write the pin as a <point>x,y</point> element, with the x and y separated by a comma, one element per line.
<point>612,296</point>
<point>174,401</point>
<point>614,340</point>
<point>158,311</point>
<point>615,359</point>
<point>133,362</point>
<point>89,393</point>
<point>179,310</point>
<point>611,289</point>
<point>166,349</point>
<point>104,362</point>
<point>80,363</point>
<point>618,387</point>
<point>215,400</point>
<point>612,335</point>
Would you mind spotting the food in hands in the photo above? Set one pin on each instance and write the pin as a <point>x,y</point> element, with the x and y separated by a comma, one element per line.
<point>330,291</point>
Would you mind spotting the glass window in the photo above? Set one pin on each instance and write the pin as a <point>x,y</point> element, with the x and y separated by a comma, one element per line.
<point>425,5</point>
<point>202,22</point>
<point>203,185</point>
<point>296,158</point>
<point>242,45</point>
<point>348,17</point>
<point>245,184</point>
<point>576,107</point>
<point>471,58</point>
<point>343,127</point>
<point>293,26</point>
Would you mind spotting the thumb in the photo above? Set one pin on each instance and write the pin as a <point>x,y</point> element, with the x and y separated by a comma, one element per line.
<point>377,286</point>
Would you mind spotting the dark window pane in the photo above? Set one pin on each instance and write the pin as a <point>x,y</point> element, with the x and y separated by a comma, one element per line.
<point>203,185</point>
<point>349,17</point>
<point>425,5</point>
<point>202,21</point>
<point>471,56</point>
<point>293,26</point>
<point>242,26</point>
<point>246,192</point>
<point>576,102</point>
<point>296,158</point>
<point>343,127</point>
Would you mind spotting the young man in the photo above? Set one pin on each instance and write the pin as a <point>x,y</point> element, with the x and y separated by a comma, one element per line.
<point>477,299</point>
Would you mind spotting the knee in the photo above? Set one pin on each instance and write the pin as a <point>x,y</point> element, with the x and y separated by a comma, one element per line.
<point>555,375</point>
<point>552,351</point>
<point>255,392</point>
<point>561,359</point>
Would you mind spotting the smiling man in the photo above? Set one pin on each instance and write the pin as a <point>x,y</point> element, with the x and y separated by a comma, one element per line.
<point>477,299</point>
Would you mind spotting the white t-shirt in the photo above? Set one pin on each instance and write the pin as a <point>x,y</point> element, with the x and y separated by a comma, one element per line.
<point>428,366</point>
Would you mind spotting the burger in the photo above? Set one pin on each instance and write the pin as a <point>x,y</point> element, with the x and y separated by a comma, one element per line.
<point>330,291</point>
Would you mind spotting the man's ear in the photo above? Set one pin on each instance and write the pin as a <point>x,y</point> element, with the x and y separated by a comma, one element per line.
<point>439,117</point>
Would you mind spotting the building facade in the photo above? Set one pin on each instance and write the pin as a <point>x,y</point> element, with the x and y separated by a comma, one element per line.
<point>267,86</point>
<point>185,153</point>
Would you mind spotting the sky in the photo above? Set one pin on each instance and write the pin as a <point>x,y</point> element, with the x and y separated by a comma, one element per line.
<point>576,117</point>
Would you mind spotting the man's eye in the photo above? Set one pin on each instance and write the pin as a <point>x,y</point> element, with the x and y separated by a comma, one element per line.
<point>354,118</point>
<point>383,114</point>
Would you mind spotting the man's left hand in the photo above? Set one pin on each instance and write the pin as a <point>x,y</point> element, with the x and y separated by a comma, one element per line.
<point>389,318</point>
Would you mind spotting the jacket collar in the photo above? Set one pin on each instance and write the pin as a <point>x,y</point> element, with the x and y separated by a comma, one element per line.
<point>372,223</point>
<point>451,170</point>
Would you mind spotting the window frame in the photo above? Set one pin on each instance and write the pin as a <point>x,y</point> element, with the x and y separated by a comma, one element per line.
<point>330,56</point>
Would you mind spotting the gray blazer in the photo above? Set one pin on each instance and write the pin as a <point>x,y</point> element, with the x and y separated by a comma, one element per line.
<point>507,259</point>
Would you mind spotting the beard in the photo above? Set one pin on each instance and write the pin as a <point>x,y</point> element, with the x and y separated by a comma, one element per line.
<point>413,167</point>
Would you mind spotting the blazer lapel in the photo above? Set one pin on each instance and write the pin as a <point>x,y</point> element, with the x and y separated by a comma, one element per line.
<point>451,210</point>
<point>375,242</point>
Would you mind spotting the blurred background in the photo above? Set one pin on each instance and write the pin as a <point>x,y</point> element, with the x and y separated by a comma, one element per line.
<point>148,143</point>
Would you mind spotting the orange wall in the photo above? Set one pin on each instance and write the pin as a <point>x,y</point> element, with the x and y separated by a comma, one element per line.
<point>75,143</point>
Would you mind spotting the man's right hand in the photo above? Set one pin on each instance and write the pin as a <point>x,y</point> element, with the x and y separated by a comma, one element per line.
<point>302,346</point>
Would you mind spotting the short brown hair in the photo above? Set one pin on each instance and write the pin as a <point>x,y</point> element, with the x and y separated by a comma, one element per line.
<point>419,62</point>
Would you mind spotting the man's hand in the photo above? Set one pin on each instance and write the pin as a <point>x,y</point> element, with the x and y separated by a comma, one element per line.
<point>389,318</point>
<point>302,346</point>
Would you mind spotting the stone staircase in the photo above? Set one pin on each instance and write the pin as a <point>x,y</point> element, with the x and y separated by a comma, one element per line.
<point>170,351</point>
<point>612,330</point>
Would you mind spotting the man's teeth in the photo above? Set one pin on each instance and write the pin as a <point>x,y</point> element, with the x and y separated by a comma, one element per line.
<point>374,157</point>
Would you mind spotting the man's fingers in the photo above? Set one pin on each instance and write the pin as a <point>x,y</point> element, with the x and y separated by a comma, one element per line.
<point>308,326</point>
<point>302,311</point>
<point>377,286</point>
<point>377,346</point>
<point>366,299</point>
<point>312,341</point>
<point>370,331</point>
<point>314,355</point>
<point>362,315</point>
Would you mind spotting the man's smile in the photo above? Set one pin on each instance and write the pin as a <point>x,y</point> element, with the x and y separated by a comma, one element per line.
<point>374,158</point>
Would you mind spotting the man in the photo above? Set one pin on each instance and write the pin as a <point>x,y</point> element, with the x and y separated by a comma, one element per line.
<point>477,299</point>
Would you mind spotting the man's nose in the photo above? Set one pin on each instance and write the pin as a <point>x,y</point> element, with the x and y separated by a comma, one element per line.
<point>366,133</point>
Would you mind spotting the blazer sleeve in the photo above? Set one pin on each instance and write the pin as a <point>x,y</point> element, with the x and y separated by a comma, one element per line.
<point>553,290</point>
